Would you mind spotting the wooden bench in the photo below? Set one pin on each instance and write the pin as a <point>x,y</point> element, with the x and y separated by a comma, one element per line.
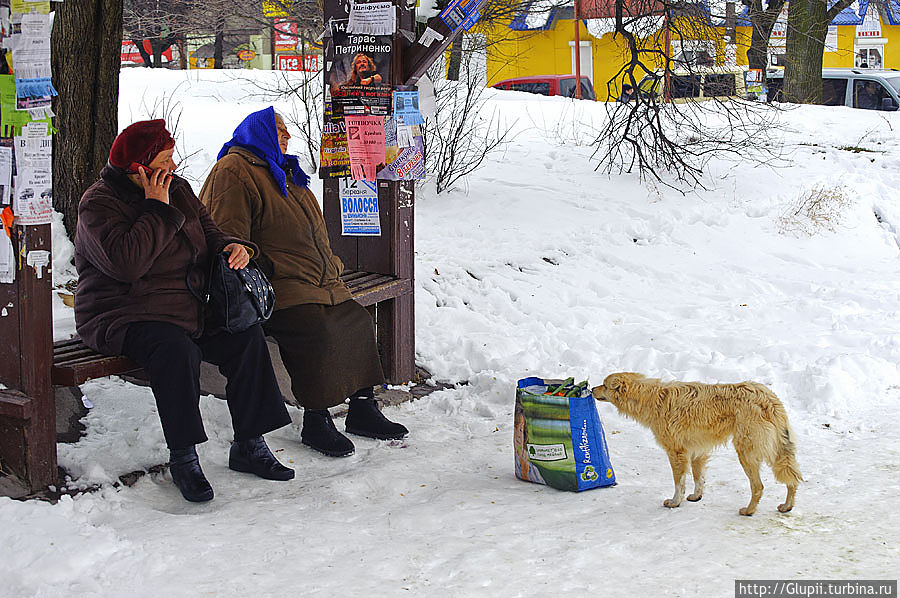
<point>74,363</point>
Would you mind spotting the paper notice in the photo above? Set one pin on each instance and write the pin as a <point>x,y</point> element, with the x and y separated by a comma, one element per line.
<point>365,143</point>
<point>5,175</point>
<point>373,18</point>
<point>33,181</point>
<point>406,108</point>
<point>359,208</point>
<point>429,36</point>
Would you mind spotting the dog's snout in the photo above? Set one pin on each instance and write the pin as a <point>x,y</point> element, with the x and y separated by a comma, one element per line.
<point>598,391</point>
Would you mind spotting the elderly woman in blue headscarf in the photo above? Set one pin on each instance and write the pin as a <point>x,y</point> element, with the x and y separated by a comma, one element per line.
<point>257,191</point>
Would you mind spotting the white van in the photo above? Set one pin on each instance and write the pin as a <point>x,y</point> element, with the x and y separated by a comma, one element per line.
<point>868,89</point>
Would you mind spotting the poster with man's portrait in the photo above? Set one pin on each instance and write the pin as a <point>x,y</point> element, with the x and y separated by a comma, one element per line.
<point>358,73</point>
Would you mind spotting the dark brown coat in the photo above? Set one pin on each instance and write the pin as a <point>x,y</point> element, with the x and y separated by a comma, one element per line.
<point>245,201</point>
<point>136,257</point>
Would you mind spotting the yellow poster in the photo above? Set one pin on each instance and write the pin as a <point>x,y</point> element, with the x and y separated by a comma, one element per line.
<point>18,6</point>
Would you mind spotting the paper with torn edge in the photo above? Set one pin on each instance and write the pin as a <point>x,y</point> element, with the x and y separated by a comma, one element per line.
<point>31,62</point>
<point>34,181</point>
<point>429,36</point>
<point>373,18</point>
<point>365,144</point>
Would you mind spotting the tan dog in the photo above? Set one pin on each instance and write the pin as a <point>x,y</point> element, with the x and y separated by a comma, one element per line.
<point>689,419</point>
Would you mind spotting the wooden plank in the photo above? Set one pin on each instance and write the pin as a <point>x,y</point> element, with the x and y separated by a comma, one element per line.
<point>37,359</point>
<point>384,292</point>
<point>15,405</point>
<point>74,363</point>
<point>99,367</point>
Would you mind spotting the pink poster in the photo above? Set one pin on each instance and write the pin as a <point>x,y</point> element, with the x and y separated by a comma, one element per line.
<point>365,143</point>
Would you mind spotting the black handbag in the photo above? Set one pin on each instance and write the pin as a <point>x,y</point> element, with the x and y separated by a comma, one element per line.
<point>237,299</point>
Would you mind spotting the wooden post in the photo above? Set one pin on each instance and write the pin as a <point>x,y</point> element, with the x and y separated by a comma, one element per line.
<point>27,406</point>
<point>392,253</point>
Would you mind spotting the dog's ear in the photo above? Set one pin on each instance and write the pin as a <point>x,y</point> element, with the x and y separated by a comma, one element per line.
<point>614,382</point>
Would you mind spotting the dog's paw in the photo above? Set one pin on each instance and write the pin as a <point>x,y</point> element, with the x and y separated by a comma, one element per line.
<point>694,497</point>
<point>785,508</point>
<point>747,511</point>
<point>670,503</point>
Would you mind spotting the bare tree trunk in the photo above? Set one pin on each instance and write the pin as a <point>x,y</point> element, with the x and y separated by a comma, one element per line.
<point>87,105</point>
<point>763,22</point>
<point>145,56</point>
<point>807,27</point>
<point>218,44</point>
<point>182,56</point>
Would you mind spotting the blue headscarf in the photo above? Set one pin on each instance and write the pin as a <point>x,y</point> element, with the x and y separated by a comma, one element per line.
<point>258,134</point>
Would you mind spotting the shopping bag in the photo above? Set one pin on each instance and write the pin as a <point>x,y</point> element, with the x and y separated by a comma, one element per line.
<point>558,438</point>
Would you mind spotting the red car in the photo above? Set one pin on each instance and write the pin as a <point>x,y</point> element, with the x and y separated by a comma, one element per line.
<point>549,85</point>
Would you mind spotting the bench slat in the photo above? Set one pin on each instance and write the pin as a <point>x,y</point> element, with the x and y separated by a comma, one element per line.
<point>74,363</point>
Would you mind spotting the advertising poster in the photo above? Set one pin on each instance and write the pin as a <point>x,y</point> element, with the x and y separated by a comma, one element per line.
<point>404,152</point>
<point>285,35</point>
<point>461,13</point>
<point>334,158</point>
<point>365,142</point>
<point>359,208</point>
<point>358,72</point>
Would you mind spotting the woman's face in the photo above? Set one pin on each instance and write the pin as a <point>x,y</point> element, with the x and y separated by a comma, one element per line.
<point>283,135</point>
<point>164,160</point>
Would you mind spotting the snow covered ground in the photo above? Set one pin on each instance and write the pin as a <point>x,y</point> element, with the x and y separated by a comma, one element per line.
<point>537,265</point>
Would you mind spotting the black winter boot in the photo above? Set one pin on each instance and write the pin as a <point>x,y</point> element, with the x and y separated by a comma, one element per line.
<point>320,434</point>
<point>364,418</point>
<point>253,456</point>
<point>187,475</point>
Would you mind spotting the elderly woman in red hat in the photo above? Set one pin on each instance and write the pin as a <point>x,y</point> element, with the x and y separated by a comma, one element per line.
<point>142,247</point>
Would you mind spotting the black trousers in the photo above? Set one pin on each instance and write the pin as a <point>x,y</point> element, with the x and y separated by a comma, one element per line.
<point>172,359</point>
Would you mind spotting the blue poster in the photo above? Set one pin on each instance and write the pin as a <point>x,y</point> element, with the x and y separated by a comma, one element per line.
<point>359,208</point>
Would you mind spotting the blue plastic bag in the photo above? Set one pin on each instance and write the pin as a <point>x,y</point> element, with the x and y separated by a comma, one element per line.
<point>559,440</point>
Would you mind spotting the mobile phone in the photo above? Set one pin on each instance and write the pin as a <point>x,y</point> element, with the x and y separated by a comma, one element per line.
<point>137,166</point>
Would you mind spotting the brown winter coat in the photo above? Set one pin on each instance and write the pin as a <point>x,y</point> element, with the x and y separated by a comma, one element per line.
<point>245,201</point>
<point>136,257</point>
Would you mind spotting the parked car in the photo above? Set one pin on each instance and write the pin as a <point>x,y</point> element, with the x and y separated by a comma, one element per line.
<point>549,85</point>
<point>867,89</point>
<point>701,83</point>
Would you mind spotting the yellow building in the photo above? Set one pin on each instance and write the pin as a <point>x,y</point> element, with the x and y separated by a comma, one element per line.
<point>542,42</point>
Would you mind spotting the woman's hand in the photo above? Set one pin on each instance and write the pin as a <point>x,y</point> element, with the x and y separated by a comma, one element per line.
<point>239,257</point>
<point>156,186</point>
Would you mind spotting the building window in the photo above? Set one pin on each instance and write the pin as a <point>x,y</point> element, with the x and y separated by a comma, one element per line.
<point>869,57</point>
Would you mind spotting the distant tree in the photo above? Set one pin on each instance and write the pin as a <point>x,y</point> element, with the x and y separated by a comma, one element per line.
<point>159,22</point>
<point>666,132</point>
<point>86,45</point>
<point>762,18</point>
<point>808,22</point>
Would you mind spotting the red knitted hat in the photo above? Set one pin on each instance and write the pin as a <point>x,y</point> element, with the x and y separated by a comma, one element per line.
<point>140,142</point>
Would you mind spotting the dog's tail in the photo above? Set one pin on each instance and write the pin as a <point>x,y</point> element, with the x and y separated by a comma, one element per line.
<point>785,466</point>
